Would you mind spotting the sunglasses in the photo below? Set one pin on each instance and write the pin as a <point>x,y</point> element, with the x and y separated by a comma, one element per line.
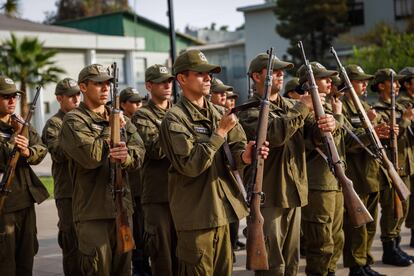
<point>12,96</point>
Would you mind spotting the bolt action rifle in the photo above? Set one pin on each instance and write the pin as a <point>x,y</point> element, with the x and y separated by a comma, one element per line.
<point>396,181</point>
<point>8,177</point>
<point>255,247</point>
<point>125,240</point>
<point>358,213</point>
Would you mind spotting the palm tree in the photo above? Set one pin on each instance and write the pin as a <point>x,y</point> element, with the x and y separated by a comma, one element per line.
<point>26,61</point>
<point>11,8</point>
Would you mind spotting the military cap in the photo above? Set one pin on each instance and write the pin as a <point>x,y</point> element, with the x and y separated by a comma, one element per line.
<point>292,84</point>
<point>94,72</point>
<point>7,86</point>
<point>218,86</point>
<point>157,74</point>
<point>407,72</point>
<point>194,60</point>
<point>260,62</point>
<point>383,75</point>
<point>231,95</point>
<point>319,71</point>
<point>130,94</point>
<point>336,80</point>
<point>355,72</point>
<point>67,87</point>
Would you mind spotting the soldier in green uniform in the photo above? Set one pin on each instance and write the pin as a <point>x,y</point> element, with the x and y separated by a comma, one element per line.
<point>284,180</point>
<point>391,237</point>
<point>231,98</point>
<point>323,216</point>
<point>368,176</point>
<point>85,140</point>
<point>131,101</point>
<point>406,98</point>
<point>218,92</point>
<point>292,89</point>
<point>160,237</point>
<point>18,240</point>
<point>68,96</point>
<point>203,194</point>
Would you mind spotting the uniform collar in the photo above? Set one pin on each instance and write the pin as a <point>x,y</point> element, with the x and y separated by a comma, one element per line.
<point>159,112</point>
<point>94,116</point>
<point>196,112</point>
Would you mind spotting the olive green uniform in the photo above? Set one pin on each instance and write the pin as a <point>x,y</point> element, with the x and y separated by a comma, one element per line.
<point>202,192</point>
<point>323,216</point>
<point>84,138</point>
<point>408,101</point>
<point>18,240</point>
<point>63,195</point>
<point>284,180</point>
<point>160,237</point>
<point>405,163</point>
<point>369,178</point>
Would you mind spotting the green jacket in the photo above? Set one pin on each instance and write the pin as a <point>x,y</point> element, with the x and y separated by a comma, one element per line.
<point>201,190</point>
<point>405,153</point>
<point>408,101</point>
<point>60,165</point>
<point>85,139</point>
<point>27,188</point>
<point>155,169</point>
<point>364,170</point>
<point>284,181</point>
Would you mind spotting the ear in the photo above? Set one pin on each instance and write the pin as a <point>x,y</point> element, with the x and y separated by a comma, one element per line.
<point>256,77</point>
<point>59,98</point>
<point>181,79</point>
<point>381,86</point>
<point>148,86</point>
<point>83,87</point>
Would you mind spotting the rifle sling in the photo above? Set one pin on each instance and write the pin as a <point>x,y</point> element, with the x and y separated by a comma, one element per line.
<point>233,168</point>
<point>356,138</point>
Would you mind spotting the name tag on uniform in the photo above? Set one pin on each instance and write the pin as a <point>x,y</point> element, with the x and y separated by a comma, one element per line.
<point>5,135</point>
<point>202,130</point>
<point>97,127</point>
<point>355,120</point>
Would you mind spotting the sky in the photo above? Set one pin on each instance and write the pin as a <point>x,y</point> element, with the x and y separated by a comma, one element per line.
<point>194,13</point>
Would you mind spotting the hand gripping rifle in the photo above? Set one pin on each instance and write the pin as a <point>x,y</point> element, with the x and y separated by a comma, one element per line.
<point>125,240</point>
<point>8,177</point>
<point>256,248</point>
<point>396,181</point>
<point>358,214</point>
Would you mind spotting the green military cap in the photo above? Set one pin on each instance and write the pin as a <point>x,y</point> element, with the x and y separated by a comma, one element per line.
<point>217,86</point>
<point>319,71</point>
<point>231,95</point>
<point>355,72</point>
<point>130,94</point>
<point>383,75</point>
<point>291,85</point>
<point>260,62</point>
<point>94,72</point>
<point>7,86</point>
<point>157,73</point>
<point>336,80</point>
<point>194,60</point>
<point>407,72</point>
<point>67,87</point>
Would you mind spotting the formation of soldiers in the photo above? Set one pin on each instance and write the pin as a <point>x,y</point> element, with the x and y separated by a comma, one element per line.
<point>181,195</point>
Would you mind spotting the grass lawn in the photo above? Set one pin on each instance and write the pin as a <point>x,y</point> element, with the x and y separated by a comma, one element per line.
<point>48,182</point>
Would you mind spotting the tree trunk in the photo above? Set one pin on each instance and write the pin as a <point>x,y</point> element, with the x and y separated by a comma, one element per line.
<point>24,108</point>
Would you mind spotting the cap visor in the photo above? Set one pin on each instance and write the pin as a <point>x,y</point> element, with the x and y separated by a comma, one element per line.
<point>11,91</point>
<point>135,98</point>
<point>363,77</point>
<point>210,68</point>
<point>162,79</point>
<point>221,88</point>
<point>327,73</point>
<point>399,77</point>
<point>280,65</point>
<point>100,78</point>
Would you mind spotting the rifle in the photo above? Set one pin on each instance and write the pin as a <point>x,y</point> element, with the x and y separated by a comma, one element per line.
<point>8,177</point>
<point>396,181</point>
<point>255,246</point>
<point>398,208</point>
<point>125,240</point>
<point>358,213</point>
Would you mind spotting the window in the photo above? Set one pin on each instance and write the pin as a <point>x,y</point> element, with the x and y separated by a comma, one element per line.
<point>140,65</point>
<point>356,12</point>
<point>239,67</point>
<point>403,8</point>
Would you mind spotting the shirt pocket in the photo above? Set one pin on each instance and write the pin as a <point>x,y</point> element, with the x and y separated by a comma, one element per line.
<point>181,139</point>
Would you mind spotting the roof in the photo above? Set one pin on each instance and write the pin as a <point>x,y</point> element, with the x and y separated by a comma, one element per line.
<point>222,45</point>
<point>8,23</point>
<point>256,7</point>
<point>132,16</point>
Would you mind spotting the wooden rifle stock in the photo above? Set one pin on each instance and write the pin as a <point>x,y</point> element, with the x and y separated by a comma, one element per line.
<point>396,181</point>
<point>256,248</point>
<point>125,240</point>
<point>398,208</point>
<point>8,176</point>
<point>358,213</point>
